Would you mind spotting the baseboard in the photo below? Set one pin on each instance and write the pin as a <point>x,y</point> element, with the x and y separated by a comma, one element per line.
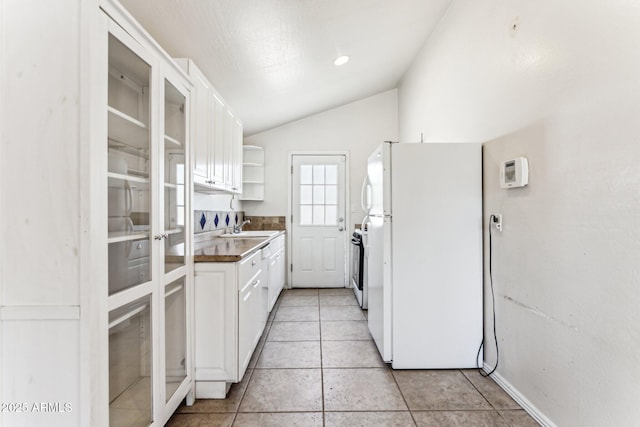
<point>519,398</point>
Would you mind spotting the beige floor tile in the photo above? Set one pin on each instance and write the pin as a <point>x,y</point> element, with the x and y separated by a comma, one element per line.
<point>491,391</point>
<point>345,330</point>
<point>311,291</point>
<point>230,404</point>
<point>519,418</point>
<point>294,331</point>
<point>368,419</point>
<point>341,312</point>
<point>361,390</point>
<point>335,291</point>
<point>300,354</point>
<point>200,420</point>
<point>349,299</point>
<point>297,314</point>
<point>351,354</point>
<point>439,390</point>
<point>283,390</point>
<point>281,419</point>
<point>293,300</point>
<point>459,419</point>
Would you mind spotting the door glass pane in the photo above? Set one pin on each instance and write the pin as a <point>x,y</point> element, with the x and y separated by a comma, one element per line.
<point>128,147</point>
<point>331,192</point>
<point>175,336</point>
<point>306,195</point>
<point>130,365</point>
<point>318,174</point>
<point>318,194</point>
<point>331,174</point>
<point>306,174</point>
<point>174,177</point>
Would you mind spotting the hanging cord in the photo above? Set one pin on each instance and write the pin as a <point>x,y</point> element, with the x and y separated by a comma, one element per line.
<point>492,219</point>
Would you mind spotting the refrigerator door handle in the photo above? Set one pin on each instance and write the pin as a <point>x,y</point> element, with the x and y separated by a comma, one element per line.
<point>365,195</point>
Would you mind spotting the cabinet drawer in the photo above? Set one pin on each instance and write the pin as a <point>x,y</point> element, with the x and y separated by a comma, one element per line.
<point>249,267</point>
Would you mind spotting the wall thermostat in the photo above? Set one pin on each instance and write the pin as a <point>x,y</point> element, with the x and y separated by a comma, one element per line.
<point>514,173</point>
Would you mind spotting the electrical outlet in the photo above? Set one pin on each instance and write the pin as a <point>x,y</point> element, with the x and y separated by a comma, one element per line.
<point>497,221</point>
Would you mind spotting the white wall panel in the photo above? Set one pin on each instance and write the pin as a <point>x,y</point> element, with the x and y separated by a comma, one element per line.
<point>40,360</point>
<point>39,170</point>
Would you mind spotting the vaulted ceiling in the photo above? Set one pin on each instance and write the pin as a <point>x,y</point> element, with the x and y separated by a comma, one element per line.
<point>272,60</point>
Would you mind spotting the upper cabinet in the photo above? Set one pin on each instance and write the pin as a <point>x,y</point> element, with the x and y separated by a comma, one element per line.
<point>216,137</point>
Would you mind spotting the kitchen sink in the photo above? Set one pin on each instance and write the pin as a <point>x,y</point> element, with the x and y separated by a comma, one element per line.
<point>251,233</point>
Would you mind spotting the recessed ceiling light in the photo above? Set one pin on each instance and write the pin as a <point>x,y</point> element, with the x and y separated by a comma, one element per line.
<point>341,60</point>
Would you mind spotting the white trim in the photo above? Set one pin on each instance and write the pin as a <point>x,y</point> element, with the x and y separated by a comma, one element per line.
<point>347,207</point>
<point>40,312</point>
<point>515,394</point>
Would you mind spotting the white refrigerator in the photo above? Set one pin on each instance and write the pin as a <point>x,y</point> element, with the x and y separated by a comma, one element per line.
<point>424,246</point>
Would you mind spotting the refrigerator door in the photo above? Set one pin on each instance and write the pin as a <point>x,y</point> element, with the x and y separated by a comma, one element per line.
<point>379,179</point>
<point>378,250</point>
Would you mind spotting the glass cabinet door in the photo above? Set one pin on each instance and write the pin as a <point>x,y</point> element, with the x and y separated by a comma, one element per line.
<point>129,186</point>
<point>174,177</point>
<point>130,365</point>
<point>175,336</point>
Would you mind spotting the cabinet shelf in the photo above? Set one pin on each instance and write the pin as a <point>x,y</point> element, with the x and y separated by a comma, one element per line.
<point>170,142</point>
<point>116,178</point>
<point>261,165</point>
<point>127,130</point>
<point>125,236</point>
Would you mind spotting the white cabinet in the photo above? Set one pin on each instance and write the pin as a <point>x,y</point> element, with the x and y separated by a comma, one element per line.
<point>228,321</point>
<point>252,173</point>
<point>233,152</point>
<point>277,272</point>
<point>147,231</point>
<point>216,136</point>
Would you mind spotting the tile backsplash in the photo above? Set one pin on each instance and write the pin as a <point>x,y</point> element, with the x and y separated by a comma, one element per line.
<point>265,223</point>
<point>215,220</point>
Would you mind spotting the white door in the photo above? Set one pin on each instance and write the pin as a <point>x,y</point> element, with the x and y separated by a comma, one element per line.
<point>318,235</point>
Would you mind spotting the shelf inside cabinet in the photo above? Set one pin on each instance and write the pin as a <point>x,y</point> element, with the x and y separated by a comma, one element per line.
<point>170,142</point>
<point>116,178</point>
<point>125,236</point>
<point>127,130</point>
<point>261,165</point>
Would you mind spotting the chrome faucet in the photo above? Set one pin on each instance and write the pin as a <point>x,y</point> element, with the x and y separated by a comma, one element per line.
<point>238,228</point>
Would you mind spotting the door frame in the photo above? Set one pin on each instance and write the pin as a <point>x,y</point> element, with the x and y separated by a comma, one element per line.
<point>347,208</point>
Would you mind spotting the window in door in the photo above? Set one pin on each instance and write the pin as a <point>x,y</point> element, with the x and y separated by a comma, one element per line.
<point>318,194</point>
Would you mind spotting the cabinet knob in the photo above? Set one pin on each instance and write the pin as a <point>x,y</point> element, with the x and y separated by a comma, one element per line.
<point>253,263</point>
<point>158,237</point>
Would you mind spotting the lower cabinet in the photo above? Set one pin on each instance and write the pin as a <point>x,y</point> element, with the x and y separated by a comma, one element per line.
<point>229,320</point>
<point>277,271</point>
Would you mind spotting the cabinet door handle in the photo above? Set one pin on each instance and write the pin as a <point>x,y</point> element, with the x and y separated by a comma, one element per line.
<point>158,237</point>
<point>256,283</point>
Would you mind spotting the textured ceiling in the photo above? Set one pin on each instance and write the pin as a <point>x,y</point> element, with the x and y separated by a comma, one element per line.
<point>272,60</point>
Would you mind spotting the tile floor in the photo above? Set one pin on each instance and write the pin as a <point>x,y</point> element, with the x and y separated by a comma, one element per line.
<point>316,365</point>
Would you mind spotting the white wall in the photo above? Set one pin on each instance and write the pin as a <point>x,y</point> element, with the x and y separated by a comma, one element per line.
<point>358,128</point>
<point>557,82</point>
<point>40,211</point>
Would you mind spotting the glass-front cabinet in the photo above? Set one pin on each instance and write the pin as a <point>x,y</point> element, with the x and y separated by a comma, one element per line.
<point>148,230</point>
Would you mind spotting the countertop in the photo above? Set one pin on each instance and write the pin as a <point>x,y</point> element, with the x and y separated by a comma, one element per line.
<point>229,249</point>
